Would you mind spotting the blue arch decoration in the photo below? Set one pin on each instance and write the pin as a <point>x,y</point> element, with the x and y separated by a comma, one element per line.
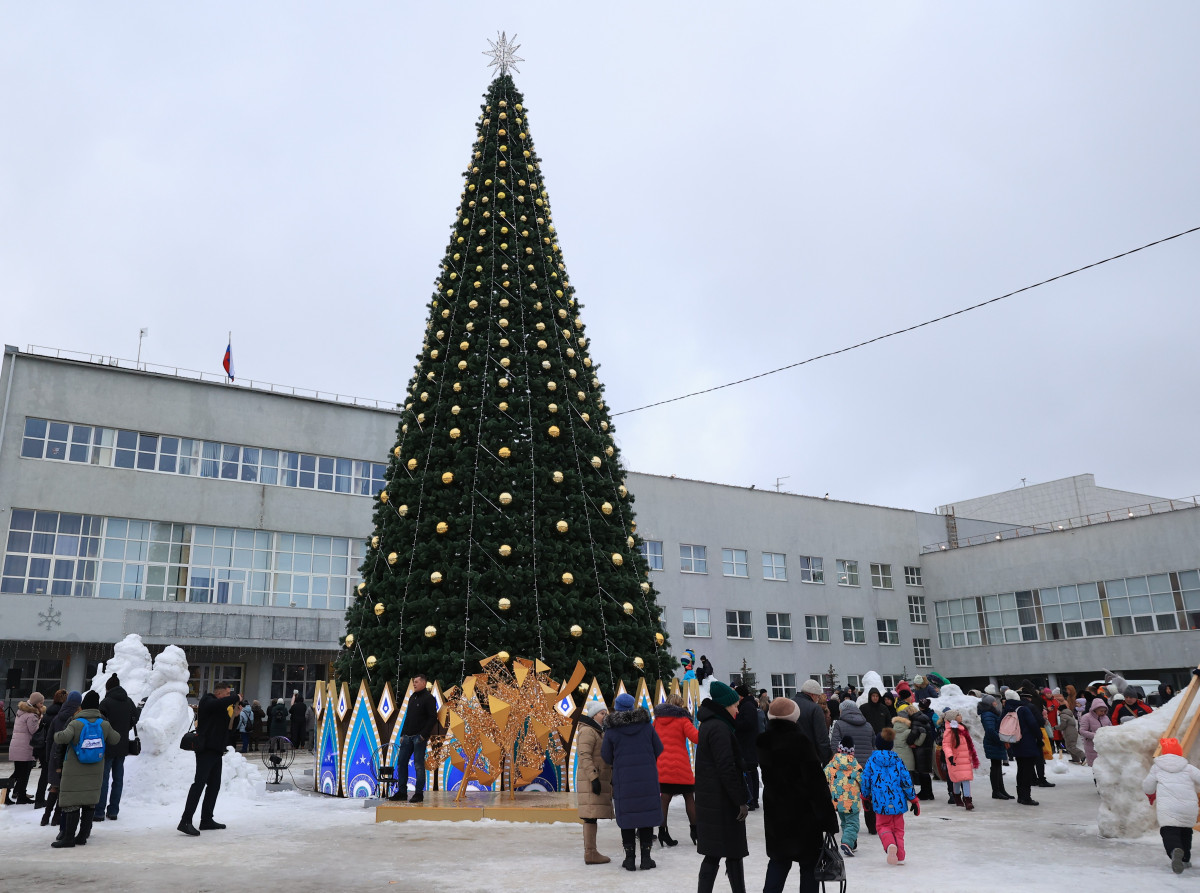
<point>328,751</point>
<point>362,741</point>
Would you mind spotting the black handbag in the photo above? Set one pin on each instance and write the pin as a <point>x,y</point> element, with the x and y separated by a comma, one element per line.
<point>831,867</point>
<point>190,741</point>
<point>135,743</point>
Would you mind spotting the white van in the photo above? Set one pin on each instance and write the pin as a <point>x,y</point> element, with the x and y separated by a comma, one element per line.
<point>1149,686</point>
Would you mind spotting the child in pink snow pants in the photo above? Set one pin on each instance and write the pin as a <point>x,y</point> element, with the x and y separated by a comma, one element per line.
<point>887,785</point>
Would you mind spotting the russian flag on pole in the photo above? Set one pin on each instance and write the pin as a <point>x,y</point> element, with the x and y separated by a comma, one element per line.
<point>228,363</point>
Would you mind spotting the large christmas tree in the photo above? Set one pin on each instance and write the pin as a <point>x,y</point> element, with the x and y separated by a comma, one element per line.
<point>506,525</point>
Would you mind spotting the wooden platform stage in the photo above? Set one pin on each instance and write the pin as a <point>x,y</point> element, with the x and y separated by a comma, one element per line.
<point>440,806</point>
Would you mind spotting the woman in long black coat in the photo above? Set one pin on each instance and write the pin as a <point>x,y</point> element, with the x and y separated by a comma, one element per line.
<point>922,774</point>
<point>797,808</point>
<point>631,747</point>
<point>722,802</point>
<point>299,721</point>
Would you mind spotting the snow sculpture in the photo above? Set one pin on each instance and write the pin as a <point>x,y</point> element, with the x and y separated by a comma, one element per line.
<point>951,697</point>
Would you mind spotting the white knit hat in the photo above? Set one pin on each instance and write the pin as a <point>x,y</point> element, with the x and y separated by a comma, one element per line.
<point>811,687</point>
<point>594,707</point>
<point>991,690</point>
<point>1011,695</point>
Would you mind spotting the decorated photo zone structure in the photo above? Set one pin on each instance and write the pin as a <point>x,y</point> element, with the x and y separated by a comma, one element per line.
<point>504,749</point>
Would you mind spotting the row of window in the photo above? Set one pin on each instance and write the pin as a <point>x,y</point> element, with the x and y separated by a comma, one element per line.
<point>697,622</point>
<point>95,557</point>
<point>783,685</point>
<point>120,448</point>
<point>1118,607</point>
<point>736,563</point>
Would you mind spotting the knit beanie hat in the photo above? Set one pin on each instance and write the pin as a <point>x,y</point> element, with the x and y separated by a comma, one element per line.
<point>113,682</point>
<point>847,745</point>
<point>1171,745</point>
<point>811,687</point>
<point>72,702</point>
<point>990,690</point>
<point>625,701</point>
<point>721,694</point>
<point>1011,695</point>
<point>594,707</point>
<point>37,699</point>
<point>91,701</point>
<point>885,739</point>
<point>784,708</point>
<point>919,681</point>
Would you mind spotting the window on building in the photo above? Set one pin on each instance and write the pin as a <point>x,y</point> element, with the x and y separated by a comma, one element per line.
<point>737,625</point>
<point>1189,586</point>
<point>889,681</point>
<point>816,627</point>
<point>37,674</point>
<point>733,563</point>
<point>922,653</point>
<point>916,609</point>
<point>912,576</point>
<point>881,576</point>
<point>693,559</point>
<point>854,630</point>
<point>888,631</point>
<point>847,572</point>
<point>779,627</point>
<point>783,685</point>
<point>1141,604</point>
<point>812,570</point>
<point>774,566</point>
<point>287,678</point>
<point>652,551</point>
<point>853,681</point>
<point>695,622</point>
<point>202,678</point>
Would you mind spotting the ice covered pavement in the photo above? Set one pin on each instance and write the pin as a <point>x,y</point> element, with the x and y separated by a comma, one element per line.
<point>307,844</point>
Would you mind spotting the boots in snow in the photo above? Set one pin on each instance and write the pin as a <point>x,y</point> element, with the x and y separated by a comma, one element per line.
<point>70,821</point>
<point>592,856</point>
<point>968,803</point>
<point>86,818</point>
<point>665,838</point>
<point>692,828</point>
<point>629,864</point>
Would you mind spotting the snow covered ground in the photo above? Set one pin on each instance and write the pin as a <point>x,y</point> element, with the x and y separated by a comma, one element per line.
<point>299,843</point>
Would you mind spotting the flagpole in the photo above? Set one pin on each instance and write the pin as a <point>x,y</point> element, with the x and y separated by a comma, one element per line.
<point>229,341</point>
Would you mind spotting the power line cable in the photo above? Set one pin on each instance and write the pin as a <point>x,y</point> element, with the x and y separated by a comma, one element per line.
<point>928,322</point>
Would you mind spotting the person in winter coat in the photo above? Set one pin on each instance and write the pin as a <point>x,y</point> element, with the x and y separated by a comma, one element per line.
<point>80,786</point>
<point>1165,693</point>
<point>1131,707</point>
<point>993,748</point>
<point>747,733</point>
<point>887,787</point>
<point>1093,721</point>
<point>594,778</point>
<point>20,748</point>
<point>1068,727</point>
<point>1032,697</point>
<point>1172,786</point>
<point>675,729</point>
<point>1028,749</point>
<point>55,754</point>
<point>298,713</point>
<point>42,753</point>
<point>277,720</point>
<point>961,759</point>
<point>420,722</point>
<point>259,725</point>
<point>212,727</point>
<point>722,803</point>
<point>925,689</point>
<point>844,776</point>
<point>121,714</point>
<point>921,742</point>
<point>812,718</point>
<point>902,726</point>
<point>852,724</point>
<point>631,747</point>
<point>797,810</point>
<point>876,712</point>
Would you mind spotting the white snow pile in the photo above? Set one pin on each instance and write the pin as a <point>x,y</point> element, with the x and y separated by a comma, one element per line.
<point>1124,754</point>
<point>162,773</point>
<point>951,697</point>
<point>870,680</point>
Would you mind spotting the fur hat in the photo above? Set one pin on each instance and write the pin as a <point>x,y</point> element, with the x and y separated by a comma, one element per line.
<point>1011,695</point>
<point>91,701</point>
<point>594,707</point>
<point>624,701</point>
<point>885,739</point>
<point>113,682</point>
<point>784,708</point>
<point>812,687</point>
<point>721,694</point>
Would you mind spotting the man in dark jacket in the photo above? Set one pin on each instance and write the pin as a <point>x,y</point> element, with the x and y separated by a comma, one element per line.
<point>1028,749</point>
<point>705,669</point>
<point>212,727</point>
<point>812,719</point>
<point>721,801</point>
<point>121,714</point>
<point>299,713</point>
<point>876,712</point>
<point>420,720</point>
<point>747,733</point>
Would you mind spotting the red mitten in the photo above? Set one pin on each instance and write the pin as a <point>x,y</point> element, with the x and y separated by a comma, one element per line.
<point>1152,798</point>
<point>915,806</point>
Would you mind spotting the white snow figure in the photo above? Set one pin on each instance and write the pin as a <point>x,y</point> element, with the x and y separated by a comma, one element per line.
<point>870,680</point>
<point>951,697</point>
<point>162,773</point>
<point>1123,757</point>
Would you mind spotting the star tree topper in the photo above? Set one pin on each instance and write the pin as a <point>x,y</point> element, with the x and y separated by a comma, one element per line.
<point>504,54</point>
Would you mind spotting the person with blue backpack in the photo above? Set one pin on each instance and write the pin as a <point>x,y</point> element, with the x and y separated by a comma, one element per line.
<point>85,739</point>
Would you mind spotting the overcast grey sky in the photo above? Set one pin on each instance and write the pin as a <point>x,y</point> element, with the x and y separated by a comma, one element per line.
<point>736,187</point>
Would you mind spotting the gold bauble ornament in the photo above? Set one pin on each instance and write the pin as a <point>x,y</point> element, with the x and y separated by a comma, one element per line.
<point>504,323</point>
<point>638,662</point>
<point>462,364</point>
<point>350,640</point>
<point>554,432</point>
<point>562,527</point>
<point>360,588</point>
<point>606,508</point>
<point>402,511</point>
<point>457,387</point>
<point>503,655</point>
<point>383,495</point>
<point>374,542</point>
<point>604,426</point>
<point>503,382</point>
<point>504,604</point>
<point>541,345</point>
<point>442,526</point>
<point>464,345</point>
<point>629,541</point>
<point>379,608</point>
<point>505,550</point>
<point>424,396</point>
<point>551,386</point>
<point>627,607</point>
<point>503,406</point>
<point>568,578</point>
<point>621,489</point>
<point>646,587</point>
<point>421,418</point>
<point>553,407</point>
<point>608,451</point>
<point>455,410</point>
<point>618,559</point>
<point>596,462</point>
<point>576,630</point>
<point>505,362</point>
<point>505,452</point>
<point>455,434</point>
<point>371,662</point>
<point>393,558</point>
<point>583,687</point>
<point>659,638</point>
<point>448,477</point>
<point>435,577</point>
<point>557,477</point>
<point>396,452</point>
<point>473,304</point>
<point>586,418</point>
<point>505,498</point>
<point>430,632</point>
<point>412,464</point>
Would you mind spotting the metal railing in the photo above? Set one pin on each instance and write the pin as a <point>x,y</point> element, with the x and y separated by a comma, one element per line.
<point>211,377</point>
<point>1121,514</point>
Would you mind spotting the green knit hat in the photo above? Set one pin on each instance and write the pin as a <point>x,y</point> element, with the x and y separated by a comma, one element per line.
<point>722,694</point>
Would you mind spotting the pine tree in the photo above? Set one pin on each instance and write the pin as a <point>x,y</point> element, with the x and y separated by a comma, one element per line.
<point>505,524</point>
